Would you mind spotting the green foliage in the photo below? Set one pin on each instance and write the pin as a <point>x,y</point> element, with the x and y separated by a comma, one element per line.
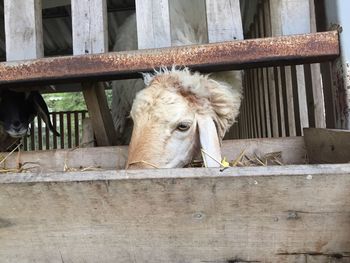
<point>69,101</point>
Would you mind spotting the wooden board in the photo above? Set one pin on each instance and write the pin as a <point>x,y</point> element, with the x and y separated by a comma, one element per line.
<point>327,146</point>
<point>23,29</point>
<point>224,20</point>
<point>264,214</point>
<point>153,23</point>
<point>292,149</point>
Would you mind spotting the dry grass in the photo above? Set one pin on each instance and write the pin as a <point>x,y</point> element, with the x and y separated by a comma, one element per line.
<point>244,160</point>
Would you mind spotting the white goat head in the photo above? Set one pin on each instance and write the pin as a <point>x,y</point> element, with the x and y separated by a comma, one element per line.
<point>176,115</point>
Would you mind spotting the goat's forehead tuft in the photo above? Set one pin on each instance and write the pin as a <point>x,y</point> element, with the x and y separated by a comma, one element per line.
<point>187,83</point>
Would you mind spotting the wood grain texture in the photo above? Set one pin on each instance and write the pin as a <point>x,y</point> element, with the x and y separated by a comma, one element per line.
<point>264,214</point>
<point>327,146</point>
<point>224,20</point>
<point>89,25</point>
<point>153,23</point>
<point>293,152</point>
<point>23,29</point>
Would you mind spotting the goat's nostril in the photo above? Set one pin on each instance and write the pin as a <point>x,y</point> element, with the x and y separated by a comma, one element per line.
<point>16,124</point>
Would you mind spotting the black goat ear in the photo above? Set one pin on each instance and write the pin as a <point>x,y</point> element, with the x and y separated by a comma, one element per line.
<point>42,110</point>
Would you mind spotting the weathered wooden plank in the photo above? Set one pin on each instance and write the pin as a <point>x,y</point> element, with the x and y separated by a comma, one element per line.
<point>23,29</point>
<point>224,20</point>
<point>280,103</point>
<point>89,22</point>
<point>292,150</point>
<point>289,100</point>
<point>327,146</point>
<point>153,23</point>
<point>177,215</point>
<point>209,57</point>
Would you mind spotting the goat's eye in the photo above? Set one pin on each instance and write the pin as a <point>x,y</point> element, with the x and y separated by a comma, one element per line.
<point>183,126</point>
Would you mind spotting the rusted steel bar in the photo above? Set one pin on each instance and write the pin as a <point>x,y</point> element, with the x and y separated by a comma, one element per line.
<point>296,49</point>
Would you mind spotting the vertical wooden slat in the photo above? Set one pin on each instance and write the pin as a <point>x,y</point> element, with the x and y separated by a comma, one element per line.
<point>89,22</point>
<point>23,29</point>
<point>47,138</point>
<point>284,101</point>
<point>61,120</point>
<point>247,102</point>
<point>153,23</point>
<point>297,115</point>
<point>76,129</point>
<point>256,101</point>
<point>69,129</point>
<point>40,134</point>
<point>251,98</point>
<point>309,96</point>
<point>302,98</point>
<point>32,136</point>
<point>289,100</point>
<point>279,98</point>
<point>273,99</point>
<point>54,124</point>
<point>224,20</point>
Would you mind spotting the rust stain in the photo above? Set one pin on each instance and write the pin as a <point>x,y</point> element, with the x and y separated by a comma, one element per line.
<point>274,51</point>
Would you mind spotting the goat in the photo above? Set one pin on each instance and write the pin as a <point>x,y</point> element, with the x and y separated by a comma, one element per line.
<point>17,111</point>
<point>179,111</point>
<point>178,114</point>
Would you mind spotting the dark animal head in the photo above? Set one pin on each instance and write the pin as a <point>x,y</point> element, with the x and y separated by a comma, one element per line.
<point>18,109</point>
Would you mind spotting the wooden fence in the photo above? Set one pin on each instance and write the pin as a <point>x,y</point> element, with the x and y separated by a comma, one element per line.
<point>281,101</point>
<point>67,123</point>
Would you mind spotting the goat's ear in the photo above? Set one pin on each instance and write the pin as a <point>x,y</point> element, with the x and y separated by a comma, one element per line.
<point>209,140</point>
<point>42,110</point>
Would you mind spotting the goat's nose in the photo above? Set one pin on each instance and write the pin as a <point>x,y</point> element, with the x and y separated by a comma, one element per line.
<point>16,124</point>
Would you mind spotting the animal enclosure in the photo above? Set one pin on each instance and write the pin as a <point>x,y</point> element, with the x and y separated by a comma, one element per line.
<point>79,205</point>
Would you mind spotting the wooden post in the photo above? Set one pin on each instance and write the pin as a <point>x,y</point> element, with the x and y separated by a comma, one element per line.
<point>224,20</point>
<point>153,23</point>
<point>89,21</point>
<point>23,29</point>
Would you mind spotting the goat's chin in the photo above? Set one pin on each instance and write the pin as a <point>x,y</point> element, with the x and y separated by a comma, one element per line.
<point>18,134</point>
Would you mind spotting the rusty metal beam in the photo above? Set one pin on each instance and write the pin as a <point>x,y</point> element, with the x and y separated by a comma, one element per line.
<point>296,49</point>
